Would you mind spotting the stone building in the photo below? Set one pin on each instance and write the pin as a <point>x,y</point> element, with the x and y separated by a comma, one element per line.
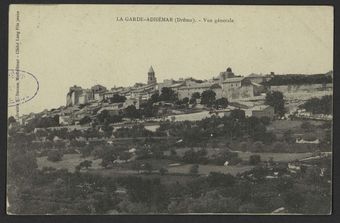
<point>237,87</point>
<point>187,91</point>
<point>86,96</point>
<point>226,74</point>
<point>72,97</point>
<point>256,78</point>
<point>151,76</point>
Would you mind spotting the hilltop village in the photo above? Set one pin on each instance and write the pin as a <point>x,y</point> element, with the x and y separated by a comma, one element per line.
<point>230,144</point>
<point>247,93</point>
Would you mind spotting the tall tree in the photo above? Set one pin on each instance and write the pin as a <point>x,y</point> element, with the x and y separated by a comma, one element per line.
<point>168,95</point>
<point>117,98</point>
<point>85,120</point>
<point>154,97</point>
<point>132,112</point>
<point>11,120</point>
<point>221,103</point>
<point>208,98</point>
<point>275,99</point>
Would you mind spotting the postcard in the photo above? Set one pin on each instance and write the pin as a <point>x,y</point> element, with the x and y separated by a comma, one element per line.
<point>169,109</point>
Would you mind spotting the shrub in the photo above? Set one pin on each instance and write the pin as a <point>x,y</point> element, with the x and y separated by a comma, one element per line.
<point>86,164</point>
<point>257,146</point>
<point>216,179</point>
<point>194,169</point>
<point>254,159</point>
<point>148,167</point>
<point>54,155</point>
<point>163,171</point>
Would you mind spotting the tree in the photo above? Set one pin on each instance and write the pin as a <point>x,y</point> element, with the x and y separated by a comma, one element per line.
<point>11,120</point>
<point>194,169</point>
<point>132,112</point>
<point>192,101</point>
<point>227,155</point>
<point>299,79</point>
<point>42,122</point>
<point>173,152</point>
<point>288,136</point>
<point>275,99</point>
<point>107,129</point>
<point>237,114</point>
<point>216,179</point>
<point>124,155</point>
<point>154,97</point>
<point>77,168</point>
<point>192,156</point>
<point>136,166</point>
<point>86,150</point>
<point>103,116</point>
<point>208,98</point>
<point>117,98</point>
<point>265,120</point>
<point>323,105</point>
<point>185,100</point>
<point>41,133</point>
<point>168,95</point>
<point>148,167</point>
<point>86,164</point>
<point>254,159</point>
<point>221,103</point>
<point>163,171</point>
<point>85,120</point>
<point>54,155</point>
<point>196,95</point>
<point>148,110</point>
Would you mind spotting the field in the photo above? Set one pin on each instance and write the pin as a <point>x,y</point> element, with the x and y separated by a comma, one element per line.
<point>206,169</point>
<point>181,151</point>
<point>281,126</point>
<point>277,157</point>
<point>294,125</point>
<point>69,162</point>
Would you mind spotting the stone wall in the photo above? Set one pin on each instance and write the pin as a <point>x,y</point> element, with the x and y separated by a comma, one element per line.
<point>308,88</point>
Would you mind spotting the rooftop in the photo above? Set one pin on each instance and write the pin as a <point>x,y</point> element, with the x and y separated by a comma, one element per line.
<point>233,79</point>
<point>151,70</point>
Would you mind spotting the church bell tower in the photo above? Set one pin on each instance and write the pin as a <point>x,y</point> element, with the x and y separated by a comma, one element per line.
<point>151,76</point>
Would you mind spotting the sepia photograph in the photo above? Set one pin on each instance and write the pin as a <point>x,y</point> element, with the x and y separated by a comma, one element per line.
<point>169,110</point>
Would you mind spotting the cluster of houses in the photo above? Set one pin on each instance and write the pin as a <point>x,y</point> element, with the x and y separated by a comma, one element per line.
<point>238,89</point>
<point>226,85</point>
<point>82,102</point>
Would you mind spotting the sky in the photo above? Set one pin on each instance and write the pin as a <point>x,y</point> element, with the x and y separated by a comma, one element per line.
<point>84,45</point>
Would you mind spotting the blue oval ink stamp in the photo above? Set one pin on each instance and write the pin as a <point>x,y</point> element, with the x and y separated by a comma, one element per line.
<point>22,87</point>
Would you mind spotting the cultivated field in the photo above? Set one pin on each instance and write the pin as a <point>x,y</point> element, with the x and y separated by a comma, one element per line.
<point>277,157</point>
<point>69,162</point>
<point>206,169</point>
<point>294,125</point>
